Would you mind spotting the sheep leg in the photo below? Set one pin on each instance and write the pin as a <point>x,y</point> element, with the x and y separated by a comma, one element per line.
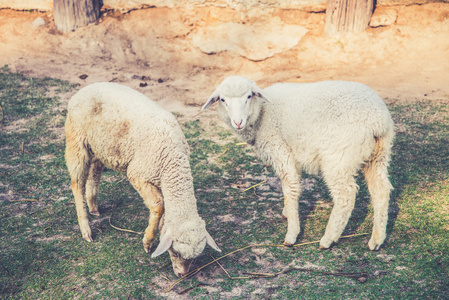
<point>343,193</point>
<point>291,190</point>
<point>376,176</point>
<point>78,161</point>
<point>93,185</point>
<point>153,199</point>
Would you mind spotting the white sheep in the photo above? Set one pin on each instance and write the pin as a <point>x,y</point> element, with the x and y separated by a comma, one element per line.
<point>115,126</point>
<point>335,128</point>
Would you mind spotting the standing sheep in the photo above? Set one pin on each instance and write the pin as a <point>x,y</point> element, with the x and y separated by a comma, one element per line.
<point>115,126</point>
<point>335,128</point>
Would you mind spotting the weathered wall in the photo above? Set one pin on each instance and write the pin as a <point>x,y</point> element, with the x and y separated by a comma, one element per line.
<point>309,5</point>
<point>312,5</point>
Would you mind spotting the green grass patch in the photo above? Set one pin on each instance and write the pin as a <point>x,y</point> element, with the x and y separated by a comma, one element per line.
<point>42,254</point>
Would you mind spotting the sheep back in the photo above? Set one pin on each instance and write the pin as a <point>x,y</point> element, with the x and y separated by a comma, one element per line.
<point>324,120</point>
<point>128,132</point>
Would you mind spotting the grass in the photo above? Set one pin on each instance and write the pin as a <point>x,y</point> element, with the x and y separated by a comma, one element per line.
<point>43,256</point>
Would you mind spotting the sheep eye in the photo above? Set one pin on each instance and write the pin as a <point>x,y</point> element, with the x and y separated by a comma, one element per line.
<point>222,100</point>
<point>249,96</point>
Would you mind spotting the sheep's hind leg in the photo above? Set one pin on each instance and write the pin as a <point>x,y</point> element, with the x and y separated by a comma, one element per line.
<point>343,193</point>
<point>153,199</point>
<point>376,176</point>
<point>93,185</point>
<point>291,189</point>
<point>78,162</point>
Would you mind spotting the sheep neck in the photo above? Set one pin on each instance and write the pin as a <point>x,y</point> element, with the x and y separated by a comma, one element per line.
<point>179,196</point>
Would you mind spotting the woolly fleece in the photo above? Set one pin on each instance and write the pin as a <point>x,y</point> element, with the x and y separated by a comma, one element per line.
<point>334,128</point>
<point>128,132</point>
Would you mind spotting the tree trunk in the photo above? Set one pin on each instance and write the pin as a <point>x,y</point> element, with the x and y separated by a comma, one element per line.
<point>348,15</point>
<point>71,14</point>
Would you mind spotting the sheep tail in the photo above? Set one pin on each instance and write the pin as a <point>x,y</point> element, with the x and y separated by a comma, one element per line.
<point>375,169</point>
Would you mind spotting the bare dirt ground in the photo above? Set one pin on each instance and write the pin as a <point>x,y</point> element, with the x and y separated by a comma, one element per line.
<point>156,51</point>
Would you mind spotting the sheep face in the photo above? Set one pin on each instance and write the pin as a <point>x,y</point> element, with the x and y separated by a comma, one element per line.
<point>186,244</point>
<point>236,96</point>
<point>181,265</point>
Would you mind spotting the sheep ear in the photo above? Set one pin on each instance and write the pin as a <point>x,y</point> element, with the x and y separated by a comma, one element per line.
<point>258,92</point>
<point>210,241</point>
<point>212,99</point>
<point>164,244</point>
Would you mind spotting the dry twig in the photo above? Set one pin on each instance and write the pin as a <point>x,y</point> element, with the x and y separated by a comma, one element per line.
<point>159,270</point>
<point>270,275</point>
<point>23,200</point>
<point>223,153</point>
<point>229,276</point>
<point>121,229</point>
<point>255,185</point>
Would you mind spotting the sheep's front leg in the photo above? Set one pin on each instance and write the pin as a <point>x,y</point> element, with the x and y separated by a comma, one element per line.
<point>153,199</point>
<point>291,189</point>
<point>282,160</point>
<point>156,212</point>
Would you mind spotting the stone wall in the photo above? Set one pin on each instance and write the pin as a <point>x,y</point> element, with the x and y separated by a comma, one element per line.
<point>308,5</point>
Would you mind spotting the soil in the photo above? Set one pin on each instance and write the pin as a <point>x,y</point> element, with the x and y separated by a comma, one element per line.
<point>154,51</point>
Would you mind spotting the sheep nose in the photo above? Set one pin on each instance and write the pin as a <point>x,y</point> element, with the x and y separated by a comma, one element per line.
<point>238,124</point>
<point>180,274</point>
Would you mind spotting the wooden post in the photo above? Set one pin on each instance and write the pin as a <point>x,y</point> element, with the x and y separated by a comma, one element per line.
<point>71,14</point>
<point>348,15</point>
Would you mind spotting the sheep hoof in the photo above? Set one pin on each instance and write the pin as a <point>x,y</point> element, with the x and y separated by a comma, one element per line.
<point>373,246</point>
<point>88,238</point>
<point>85,231</point>
<point>376,242</point>
<point>95,213</point>
<point>326,243</point>
<point>376,248</point>
<point>287,244</point>
<point>147,247</point>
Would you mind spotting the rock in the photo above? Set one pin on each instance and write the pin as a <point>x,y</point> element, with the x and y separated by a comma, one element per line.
<point>255,42</point>
<point>383,16</point>
<point>38,22</point>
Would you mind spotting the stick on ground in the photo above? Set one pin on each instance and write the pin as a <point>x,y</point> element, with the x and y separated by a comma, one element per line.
<point>121,229</point>
<point>251,187</point>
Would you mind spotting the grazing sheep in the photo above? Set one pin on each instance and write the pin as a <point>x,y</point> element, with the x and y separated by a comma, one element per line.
<point>335,128</point>
<point>115,126</point>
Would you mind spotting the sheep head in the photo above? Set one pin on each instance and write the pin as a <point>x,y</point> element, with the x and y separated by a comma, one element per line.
<point>184,242</point>
<point>236,96</point>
